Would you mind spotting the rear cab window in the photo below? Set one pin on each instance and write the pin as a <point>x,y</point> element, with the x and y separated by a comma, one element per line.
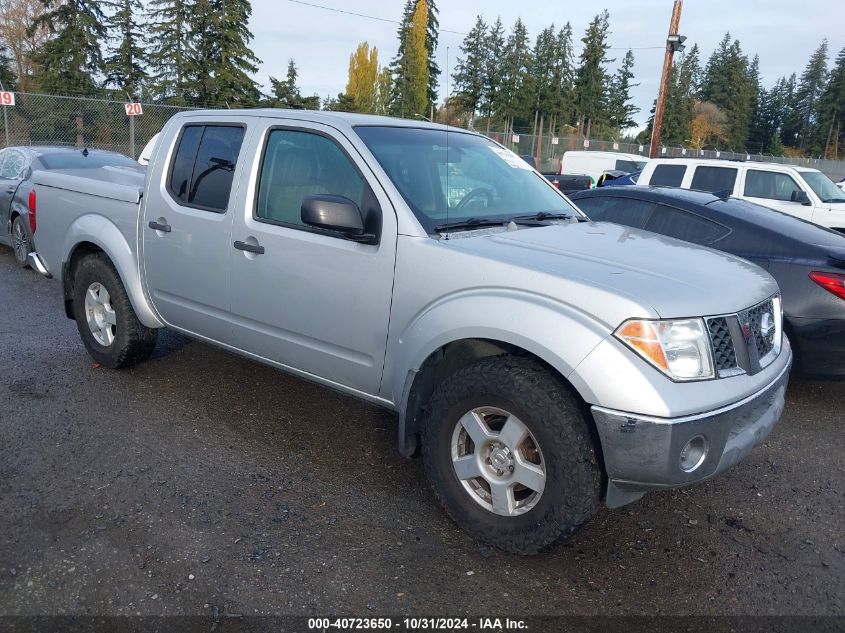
<point>714,179</point>
<point>668,175</point>
<point>204,165</point>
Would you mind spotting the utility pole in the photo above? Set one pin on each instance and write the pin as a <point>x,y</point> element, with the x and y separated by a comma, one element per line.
<point>674,43</point>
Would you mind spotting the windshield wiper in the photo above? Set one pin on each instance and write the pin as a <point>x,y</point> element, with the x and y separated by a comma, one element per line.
<point>470,223</point>
<point>545,215</point>
<point>833,200</point>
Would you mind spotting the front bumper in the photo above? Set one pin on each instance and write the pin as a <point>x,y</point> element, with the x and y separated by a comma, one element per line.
<point>643,453</point>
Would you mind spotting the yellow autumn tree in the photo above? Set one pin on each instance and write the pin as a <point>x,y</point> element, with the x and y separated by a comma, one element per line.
<point>708,124</point>
<point>362,84</point>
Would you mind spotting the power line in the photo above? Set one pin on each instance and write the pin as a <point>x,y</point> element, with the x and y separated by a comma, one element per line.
<point>362,15</point>
<point>380,19</point>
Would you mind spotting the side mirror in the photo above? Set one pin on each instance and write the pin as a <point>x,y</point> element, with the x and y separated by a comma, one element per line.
<point>335,213</point>
<point>801,197</point>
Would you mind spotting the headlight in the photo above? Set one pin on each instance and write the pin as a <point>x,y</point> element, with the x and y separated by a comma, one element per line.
<point>680,349</point>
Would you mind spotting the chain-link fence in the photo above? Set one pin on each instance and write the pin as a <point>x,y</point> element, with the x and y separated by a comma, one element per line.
<point>37,119</point>
<point>548,150</point>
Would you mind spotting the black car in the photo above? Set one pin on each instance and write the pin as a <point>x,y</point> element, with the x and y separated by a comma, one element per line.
<point>17,196</point>
<point>807,260</point>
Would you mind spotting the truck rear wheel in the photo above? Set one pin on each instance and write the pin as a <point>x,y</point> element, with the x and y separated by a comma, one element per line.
<point>109,328</point>
<point>509,454</point>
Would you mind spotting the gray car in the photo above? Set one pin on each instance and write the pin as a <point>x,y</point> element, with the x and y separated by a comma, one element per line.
<point>542,363</point>
<point>17,196</point>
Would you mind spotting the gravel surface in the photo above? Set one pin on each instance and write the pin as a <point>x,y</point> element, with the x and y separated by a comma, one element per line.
<point>201,481</point>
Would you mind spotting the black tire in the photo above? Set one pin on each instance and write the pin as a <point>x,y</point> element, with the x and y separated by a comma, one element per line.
<point>21,251</point>
<point>133,341</point>
<point>553,415</point>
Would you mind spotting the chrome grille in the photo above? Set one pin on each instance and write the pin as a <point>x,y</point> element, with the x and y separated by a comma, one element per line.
<point>761,335</point>
<point>724,354</point>
<point>747,341</point>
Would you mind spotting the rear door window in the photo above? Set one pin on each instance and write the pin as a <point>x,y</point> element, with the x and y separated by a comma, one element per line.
<point>684,225</point>
<point>634,213</point>
<point>204,166</point>
<point>769,185</point>
<point>668,175</point>
<point>714,179</point>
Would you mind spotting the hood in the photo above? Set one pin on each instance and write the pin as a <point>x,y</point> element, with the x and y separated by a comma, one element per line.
<point>672,278</point>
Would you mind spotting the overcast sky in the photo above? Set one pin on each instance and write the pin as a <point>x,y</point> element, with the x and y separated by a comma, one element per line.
<point>782,32</point>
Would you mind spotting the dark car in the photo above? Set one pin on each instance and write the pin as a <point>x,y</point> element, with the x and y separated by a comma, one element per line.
<point>17,196</point>
<point>807,260</point>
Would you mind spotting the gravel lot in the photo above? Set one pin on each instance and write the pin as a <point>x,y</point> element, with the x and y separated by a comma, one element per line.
<point>201,481</point>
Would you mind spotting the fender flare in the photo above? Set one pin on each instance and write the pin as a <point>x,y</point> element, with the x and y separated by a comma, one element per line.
<point>104,234</point>
<point>489,315</point>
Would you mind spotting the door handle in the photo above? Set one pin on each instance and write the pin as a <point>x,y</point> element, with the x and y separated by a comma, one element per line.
<point>158,226</point>
<point>249,248</point>
<point>11,189</point>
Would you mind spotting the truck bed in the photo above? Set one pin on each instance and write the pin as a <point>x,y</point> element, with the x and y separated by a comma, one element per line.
<point>73,202</point>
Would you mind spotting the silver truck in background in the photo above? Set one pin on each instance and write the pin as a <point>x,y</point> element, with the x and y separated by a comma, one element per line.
<point>541,363</point>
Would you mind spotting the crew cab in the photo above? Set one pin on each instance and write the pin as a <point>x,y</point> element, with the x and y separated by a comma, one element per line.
<point>798,191</point>
<point>540,362</point>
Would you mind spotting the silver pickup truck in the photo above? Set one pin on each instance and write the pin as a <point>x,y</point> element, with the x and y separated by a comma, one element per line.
<point>542,363</point>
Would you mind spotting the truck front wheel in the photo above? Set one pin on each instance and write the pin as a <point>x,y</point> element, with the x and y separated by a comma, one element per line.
<point>509,454</point>
<point>109,328</point>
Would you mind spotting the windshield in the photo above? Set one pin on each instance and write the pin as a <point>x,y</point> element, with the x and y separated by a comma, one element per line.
<point>473,178</point>
<point>823,186</point>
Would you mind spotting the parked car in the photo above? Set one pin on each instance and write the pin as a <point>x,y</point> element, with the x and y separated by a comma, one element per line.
<point>594,164</point>
<point>799,191</point>
<point>570,183</point>
<point>17,196</point>
<point>541,362</point>
<point>807,260</point>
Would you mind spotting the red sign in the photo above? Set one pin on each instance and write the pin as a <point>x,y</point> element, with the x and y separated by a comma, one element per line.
<point>7,98</point>
<point>133,109</point>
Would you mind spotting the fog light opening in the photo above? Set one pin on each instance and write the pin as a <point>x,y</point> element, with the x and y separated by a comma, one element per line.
<point>693,453</point>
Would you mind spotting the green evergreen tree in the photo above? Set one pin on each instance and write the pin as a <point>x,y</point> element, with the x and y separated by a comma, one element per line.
<point>170,48</point>
<point>220,59</point>
<point>492,70</point>
<point>543,80</point>
<point>729,85</point>
<point>469,72</point>
<point>431,39</point>
<point>286,94</point>
<point>791,125</point>
<point>810,88</point>
<point>7,76</point>
<point>592,79</point>
<point>235,61</point>
<point>126,61</point>
<point>831,109</point>
<point>684,82</point>
<point>620,109</point>
<point>71,59</point>
<point>514,97</point>
<point>563,79</point>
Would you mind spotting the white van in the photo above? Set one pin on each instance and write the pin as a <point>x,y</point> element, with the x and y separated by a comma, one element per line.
<point>594,164</point>
<point>800,191</point>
